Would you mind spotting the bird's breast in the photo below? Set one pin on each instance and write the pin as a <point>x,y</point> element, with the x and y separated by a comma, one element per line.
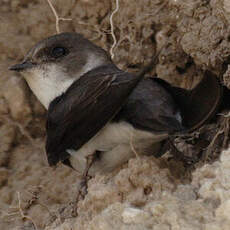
<point>120,136</point>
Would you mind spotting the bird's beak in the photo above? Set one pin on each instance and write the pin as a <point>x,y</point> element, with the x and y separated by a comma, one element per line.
<point>22,66</point>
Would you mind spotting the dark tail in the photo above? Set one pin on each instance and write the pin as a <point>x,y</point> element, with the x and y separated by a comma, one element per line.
<point>198,105</point>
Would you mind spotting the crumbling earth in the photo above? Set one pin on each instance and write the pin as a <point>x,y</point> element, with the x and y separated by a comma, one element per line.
<point>146,193</point>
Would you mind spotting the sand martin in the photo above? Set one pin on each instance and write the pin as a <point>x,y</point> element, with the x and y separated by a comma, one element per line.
<point>94,108</point>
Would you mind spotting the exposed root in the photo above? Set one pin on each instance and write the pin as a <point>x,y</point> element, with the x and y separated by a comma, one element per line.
<point>83,184</point>
<point>35,200</point>
<point>211,145</point>
<point>23,216</point>
<point>112,29</point>
<point>132,146</point>
<point>57,18</point>
<point>226,133</point>
<point>186,160</point>
<point>17,210</point>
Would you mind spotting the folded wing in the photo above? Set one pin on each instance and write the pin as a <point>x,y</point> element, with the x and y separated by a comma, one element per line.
<point>86,107</point>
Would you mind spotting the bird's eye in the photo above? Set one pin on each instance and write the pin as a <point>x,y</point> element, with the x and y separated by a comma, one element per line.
<point>58,52</point>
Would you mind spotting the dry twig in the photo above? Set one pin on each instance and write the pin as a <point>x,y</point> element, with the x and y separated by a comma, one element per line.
<point>58,19</point>
<point>112,29</point>
<point>22,213</point>
<point>132,146</point>
<point>211,145</point>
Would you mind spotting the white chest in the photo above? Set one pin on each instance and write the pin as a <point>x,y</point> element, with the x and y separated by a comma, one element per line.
<point>118,142</point>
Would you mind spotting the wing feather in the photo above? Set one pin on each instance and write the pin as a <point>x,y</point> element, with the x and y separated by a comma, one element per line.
<point>85,108</point>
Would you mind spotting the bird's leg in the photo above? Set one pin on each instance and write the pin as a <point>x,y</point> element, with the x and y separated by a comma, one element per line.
<point>82,191</point>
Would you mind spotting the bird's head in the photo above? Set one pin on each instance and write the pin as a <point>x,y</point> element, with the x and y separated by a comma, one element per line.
<point>54,63</point>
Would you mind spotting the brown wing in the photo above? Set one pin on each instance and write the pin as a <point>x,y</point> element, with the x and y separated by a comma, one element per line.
<point>77,115</point>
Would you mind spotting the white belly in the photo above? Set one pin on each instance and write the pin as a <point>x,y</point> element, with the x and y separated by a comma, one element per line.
<point>118,142</point>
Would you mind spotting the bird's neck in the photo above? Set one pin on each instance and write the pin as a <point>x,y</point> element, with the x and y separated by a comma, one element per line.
<point>50,82</point>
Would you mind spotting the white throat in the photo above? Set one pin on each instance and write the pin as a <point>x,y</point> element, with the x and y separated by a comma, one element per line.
<point>48,83</point>
<point>51,81</point>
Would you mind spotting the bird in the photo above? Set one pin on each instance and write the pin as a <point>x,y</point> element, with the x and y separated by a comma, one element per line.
<point>96,109</point>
